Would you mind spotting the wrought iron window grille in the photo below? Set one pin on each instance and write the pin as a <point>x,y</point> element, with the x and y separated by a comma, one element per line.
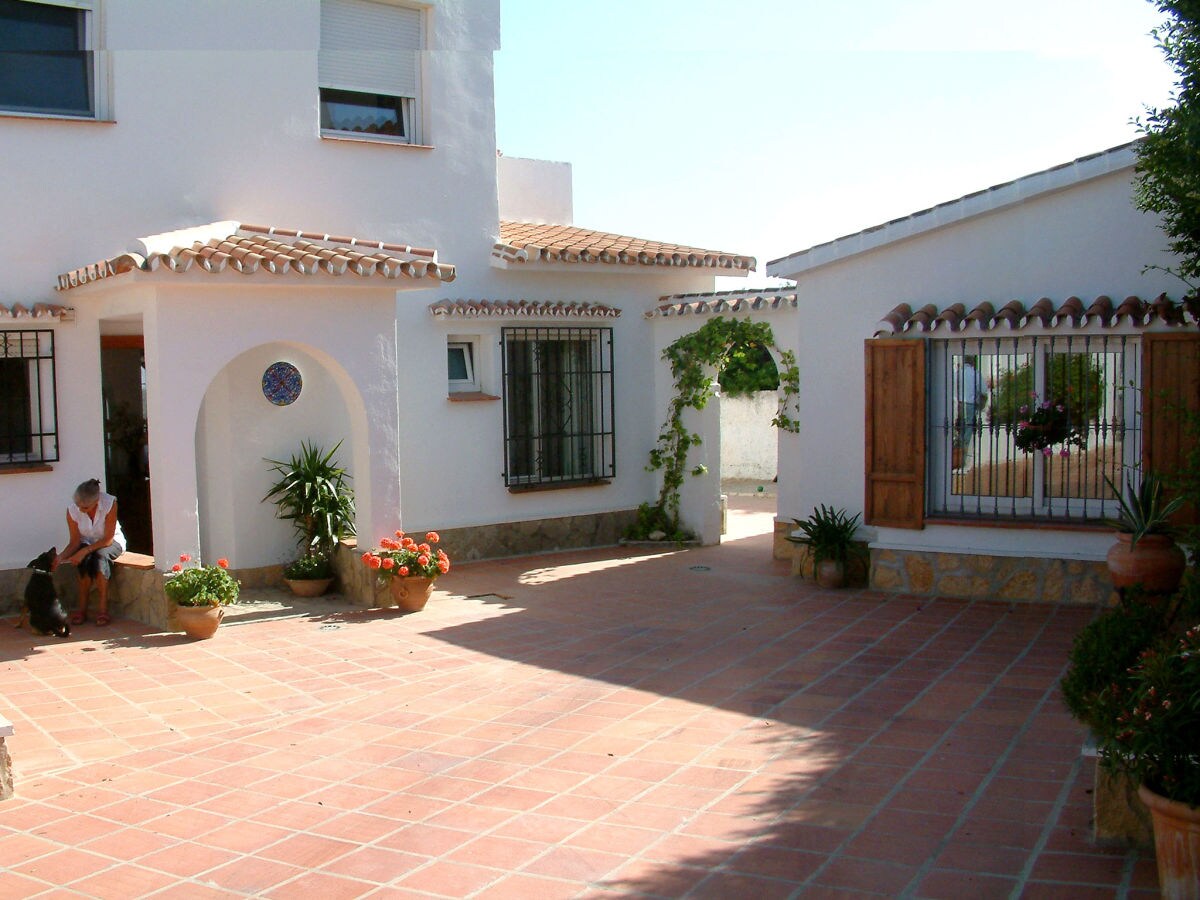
<point>28,398</point>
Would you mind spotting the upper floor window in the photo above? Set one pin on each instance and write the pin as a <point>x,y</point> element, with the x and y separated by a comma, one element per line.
<point>28,405</point>
<point>369,69</point>
<point>48,63</point>
<point>558,405</point>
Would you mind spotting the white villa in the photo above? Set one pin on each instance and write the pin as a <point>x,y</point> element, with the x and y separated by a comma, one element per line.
<point>228,233</point>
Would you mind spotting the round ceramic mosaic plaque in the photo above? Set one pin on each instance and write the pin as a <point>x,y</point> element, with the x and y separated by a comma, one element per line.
<point>281,383</point>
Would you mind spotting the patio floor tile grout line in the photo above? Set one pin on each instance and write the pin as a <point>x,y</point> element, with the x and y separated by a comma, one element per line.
<point>930,752</point>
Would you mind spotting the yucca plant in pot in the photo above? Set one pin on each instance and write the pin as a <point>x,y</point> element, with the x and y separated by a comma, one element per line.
<point>1145,552</point>
<point>829,536</point>
<point>312,492</point>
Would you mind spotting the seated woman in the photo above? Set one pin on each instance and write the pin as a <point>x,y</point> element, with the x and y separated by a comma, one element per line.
<point>96,540</point>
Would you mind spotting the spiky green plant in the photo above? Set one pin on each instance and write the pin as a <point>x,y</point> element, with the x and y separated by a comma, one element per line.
<point>314,495</point>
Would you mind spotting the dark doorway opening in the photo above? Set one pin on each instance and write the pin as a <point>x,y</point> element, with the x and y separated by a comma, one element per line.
<point>126,448</point>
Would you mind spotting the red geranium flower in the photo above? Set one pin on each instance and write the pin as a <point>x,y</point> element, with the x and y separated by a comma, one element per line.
<point>388,562</point>
<point>223,563</point>
<point>374,562</point>
<point>183,557</point>
<point>402,571</point>
<point>177,568</point>
<point>399,533</point>
<point>432,537</point>
<point>422,561</point>
<point>425,548</point>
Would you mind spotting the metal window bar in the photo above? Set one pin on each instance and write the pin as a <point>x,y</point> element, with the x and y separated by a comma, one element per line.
<point>1028,428</point>
<point>28,397</point>
<point>559,406</point>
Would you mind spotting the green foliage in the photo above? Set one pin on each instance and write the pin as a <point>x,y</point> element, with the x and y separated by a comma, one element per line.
<point>1075,382</point>
<point>749,369</point>
<point>314,495</point>
<point>1168,169</point>
<point>1143,511</point>
<point>1103,654</point>
<point>200,585</point>
<point>1185,483</point>
<point>692,359</point>
<point>309,568</point>
<point>651,519</point>
<point>1158,738</point>
<point>829,534</point>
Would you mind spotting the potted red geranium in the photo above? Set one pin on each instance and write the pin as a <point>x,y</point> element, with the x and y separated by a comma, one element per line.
<point>408,568</point>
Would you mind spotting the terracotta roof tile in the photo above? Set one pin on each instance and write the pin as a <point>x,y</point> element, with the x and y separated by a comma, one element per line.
<point>1043,314</point>
<point>766,300</point>
<point>250,249</point>
<point>39,311</point>
<point>474,309</point>
<point>522,242</point>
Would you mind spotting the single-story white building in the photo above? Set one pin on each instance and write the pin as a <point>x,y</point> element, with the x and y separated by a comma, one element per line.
<point>971,373</point>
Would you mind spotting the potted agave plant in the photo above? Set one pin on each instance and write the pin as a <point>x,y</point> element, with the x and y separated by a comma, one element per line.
<point>408,568</point>
<point>1145,552</point>
<point>199,593</point>
<point>312,492</point>
<point>829,536</point>
<point>1158,746</point>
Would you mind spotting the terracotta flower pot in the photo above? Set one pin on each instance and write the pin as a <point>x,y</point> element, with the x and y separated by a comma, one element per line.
<point>1176,845</point>
<point>199,622</point>
<point>309,587</point>
<point>410,594</point>
<point>1155,562</point>
<point>831,574</point>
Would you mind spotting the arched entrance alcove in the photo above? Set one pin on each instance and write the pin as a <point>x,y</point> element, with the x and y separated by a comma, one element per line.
<point>239,428</point>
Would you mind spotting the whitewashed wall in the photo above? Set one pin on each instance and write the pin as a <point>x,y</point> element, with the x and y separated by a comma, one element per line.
<point>749,442</point>
<point>1085,241</point>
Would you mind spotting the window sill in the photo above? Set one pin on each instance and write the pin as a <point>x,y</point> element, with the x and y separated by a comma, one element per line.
<point>25,468</point>
<point>378,142</point>
<point>1021,524</point>
<point>470,397</point>
<point>55,117</point>
<point>557,485</point>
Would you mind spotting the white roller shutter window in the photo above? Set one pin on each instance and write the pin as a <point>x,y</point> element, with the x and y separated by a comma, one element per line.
<point>369,47</point>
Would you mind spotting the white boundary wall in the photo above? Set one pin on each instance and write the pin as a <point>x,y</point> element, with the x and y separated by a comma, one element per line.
<point>749,442</point>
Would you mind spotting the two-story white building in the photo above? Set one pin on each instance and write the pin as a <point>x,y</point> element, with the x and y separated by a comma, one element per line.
<point>230,227</point>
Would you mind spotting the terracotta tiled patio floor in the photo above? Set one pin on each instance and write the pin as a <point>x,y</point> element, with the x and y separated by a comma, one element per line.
<point>691,723</point>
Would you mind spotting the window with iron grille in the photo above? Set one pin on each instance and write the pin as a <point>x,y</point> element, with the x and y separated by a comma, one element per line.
<point>28,405</point>
<point>1030,427</point>
<point>558,405</point>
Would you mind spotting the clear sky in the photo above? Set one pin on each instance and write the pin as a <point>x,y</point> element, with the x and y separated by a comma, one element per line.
<point>766,126</point>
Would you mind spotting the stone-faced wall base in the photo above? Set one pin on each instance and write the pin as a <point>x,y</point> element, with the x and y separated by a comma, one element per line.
<point>975,577</point>
<point>1119,817</point>
<point>132,593</point>
<point>478,542</point>
<point>781,547</point>
<point>6,775</point>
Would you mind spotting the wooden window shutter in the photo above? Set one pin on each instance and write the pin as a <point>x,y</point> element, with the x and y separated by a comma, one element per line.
<point>1170,382</point>
<point>895,428</point>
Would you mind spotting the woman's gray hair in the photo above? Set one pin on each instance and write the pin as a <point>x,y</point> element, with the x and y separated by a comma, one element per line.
<point>88,491</point>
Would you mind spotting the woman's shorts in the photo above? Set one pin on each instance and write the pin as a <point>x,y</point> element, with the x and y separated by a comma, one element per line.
<point>99,562</point>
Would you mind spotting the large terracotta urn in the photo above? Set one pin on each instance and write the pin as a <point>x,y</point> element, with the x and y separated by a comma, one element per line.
<point>1176,845</point>
<point>1155,562</point>
<point>199,622</point>
<point>410,594</point>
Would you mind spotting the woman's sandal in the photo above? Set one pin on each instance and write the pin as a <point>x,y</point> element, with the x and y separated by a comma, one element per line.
<point>103,619</point>
<point>78,618</point>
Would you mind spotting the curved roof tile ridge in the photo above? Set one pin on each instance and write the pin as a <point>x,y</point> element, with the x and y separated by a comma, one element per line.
<point>253,249</point>
<point>1013,315</point>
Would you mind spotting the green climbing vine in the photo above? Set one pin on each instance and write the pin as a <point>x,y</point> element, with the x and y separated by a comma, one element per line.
<point>691,359</point>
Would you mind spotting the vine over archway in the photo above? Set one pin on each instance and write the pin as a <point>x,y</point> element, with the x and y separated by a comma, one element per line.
<point>691,358</point>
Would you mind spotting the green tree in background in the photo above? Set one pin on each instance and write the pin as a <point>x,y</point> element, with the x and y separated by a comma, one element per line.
<point>1074,380</point>
<point>748,368</point>
<point>1168,169</point>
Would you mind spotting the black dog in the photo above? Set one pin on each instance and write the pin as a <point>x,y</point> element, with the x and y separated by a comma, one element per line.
<point>42,609</point>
